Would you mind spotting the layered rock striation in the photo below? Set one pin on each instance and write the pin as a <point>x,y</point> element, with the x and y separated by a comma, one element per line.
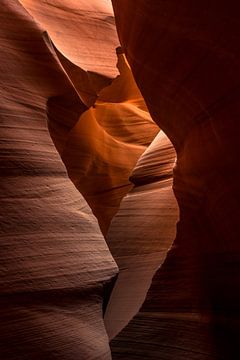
<point>119,180</point>
<point>185,59</point>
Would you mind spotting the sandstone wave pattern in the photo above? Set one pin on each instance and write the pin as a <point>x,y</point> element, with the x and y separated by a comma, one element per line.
<point>119,180</point>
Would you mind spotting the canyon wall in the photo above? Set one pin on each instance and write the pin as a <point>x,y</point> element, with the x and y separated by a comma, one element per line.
<point>185,59</point>
<point>56,269</point>
<point>119,180</point>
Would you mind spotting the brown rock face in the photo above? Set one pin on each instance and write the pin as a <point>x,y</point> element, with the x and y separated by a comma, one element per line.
<point>102,153</point>
<point>57,269</point>
<point>185,58</point>
<point>142,231</point>
<point>102,148</point>
<point>55,264</point>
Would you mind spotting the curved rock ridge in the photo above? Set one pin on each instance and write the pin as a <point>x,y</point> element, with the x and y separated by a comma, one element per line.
<point>55,265</point>
<point>156,163</point>
<point>86,83</point>
<point>101,147</point>
<point>83,31</point>
<point>142,232</point>
<point>65,102</point>
<point>185,59</point>
<point>104,144</point>
<point>57,270</point>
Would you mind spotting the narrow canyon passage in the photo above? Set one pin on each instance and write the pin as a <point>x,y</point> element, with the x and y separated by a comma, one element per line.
<point>100,148</point>
<point>119,180</point>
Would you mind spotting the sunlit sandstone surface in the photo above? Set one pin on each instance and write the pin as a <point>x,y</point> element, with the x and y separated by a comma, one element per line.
<point>119,180</point>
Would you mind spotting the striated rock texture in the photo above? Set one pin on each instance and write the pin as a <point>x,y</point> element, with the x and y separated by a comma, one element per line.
<point>83,31</point>
<point>102,150</point>
<point>185,59</point>
<point>55,265</point>
<point>142,232</point>
<point>57,271</point>
<point>100,146</point>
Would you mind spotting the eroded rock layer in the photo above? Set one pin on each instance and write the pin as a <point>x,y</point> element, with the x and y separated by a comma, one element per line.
<point>83,31</point>
<point>142,232</point>
<point>64,101</point>
<point>185,59</point>
<point>55,264</point>
<point>102,148</point>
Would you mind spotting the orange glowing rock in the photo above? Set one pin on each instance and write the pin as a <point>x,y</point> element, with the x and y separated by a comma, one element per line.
<point>119,180</point>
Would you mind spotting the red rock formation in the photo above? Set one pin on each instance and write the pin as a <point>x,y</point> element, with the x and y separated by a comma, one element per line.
<point>55,265</point>
<point>63,100</point>
<point>102,148</point>
<point>185,59</point>
<point>83,31</point>
<point>142,232</point>
<point>50,281</point>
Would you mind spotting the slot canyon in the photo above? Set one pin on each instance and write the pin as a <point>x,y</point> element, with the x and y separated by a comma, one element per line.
<point>119,180</point>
